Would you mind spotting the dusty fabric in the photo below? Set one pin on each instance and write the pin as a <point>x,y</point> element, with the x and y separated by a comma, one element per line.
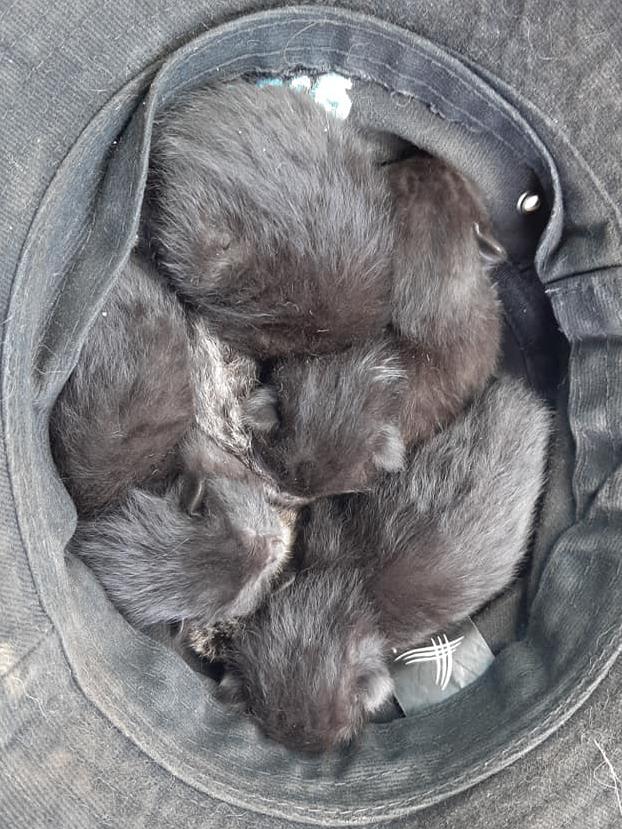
<point>100,725</point>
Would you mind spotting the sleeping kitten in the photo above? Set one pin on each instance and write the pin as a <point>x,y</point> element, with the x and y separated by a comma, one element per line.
<point>381,571</point>
<point>309,665</point>
<point>440,539</point>
<point>445,305</point>
<point>159,564</point>
<point>272,219</point>
<point>329,424</point>
<point>129,400</point>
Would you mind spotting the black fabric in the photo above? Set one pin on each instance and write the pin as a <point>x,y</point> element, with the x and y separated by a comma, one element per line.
<point>102,726</point>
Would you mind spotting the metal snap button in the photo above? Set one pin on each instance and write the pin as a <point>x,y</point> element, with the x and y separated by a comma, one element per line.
<point>528,202</point>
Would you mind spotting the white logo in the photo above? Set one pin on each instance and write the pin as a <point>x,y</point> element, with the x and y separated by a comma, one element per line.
<point>440,652</point>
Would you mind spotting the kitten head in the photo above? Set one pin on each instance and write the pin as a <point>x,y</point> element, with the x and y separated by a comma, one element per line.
<point>309,667</point>
<point>327,425</point>
<point>235,523</point>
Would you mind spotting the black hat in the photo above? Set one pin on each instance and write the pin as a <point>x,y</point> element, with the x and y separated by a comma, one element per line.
<point>102,725</point>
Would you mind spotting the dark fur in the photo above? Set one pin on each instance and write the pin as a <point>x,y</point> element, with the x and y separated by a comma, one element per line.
<point>309,665</point>
<point>441,538</point>
<point>159,564</point>
<point>272,218</point>
<point>129,400</point>
<point>223,379</point>
<point>212,643</point>
<point>202,459</point>
<point>329,424</point>
<point>445,305</point>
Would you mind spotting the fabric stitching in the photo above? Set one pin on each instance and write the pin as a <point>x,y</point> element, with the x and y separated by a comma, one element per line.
<point>397,806</point>
<point>405,77</point>
<point>27,653</point>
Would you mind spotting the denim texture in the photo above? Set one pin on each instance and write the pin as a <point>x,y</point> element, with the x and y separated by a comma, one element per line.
<point>102,726</point>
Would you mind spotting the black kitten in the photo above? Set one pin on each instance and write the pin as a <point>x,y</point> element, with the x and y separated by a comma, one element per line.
<point>329,424</point>
<point>309,665</point>
<point>159,564</point>
<point>445,306</point>
<point>272,218</point>
<point>129,401</point>
<point>438,540</point>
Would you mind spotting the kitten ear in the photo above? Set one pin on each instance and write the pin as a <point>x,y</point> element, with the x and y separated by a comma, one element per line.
<point>192,493</point>
<point>374,683</point>
<point>260,410</point>
<point>229,691</point>
<point>390,451</point>
<point>491,251</point>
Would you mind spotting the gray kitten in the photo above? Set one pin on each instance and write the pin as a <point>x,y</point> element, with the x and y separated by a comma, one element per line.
<point>223,378</point>
<point>159,564</point>
<point>440,539</point>
<point>129,415</point>
<point>219,442</point>
<point>129,400</point>
<point>217,452</point>
<point>271,218</point>
<point>309,666</point>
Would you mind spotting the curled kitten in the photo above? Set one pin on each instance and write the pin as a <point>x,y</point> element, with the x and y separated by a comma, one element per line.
<point>329,424</point>
<point>444,536</point>
<point>129,400</point>
<point>216,454</point>
<point>445,306</point>
<point>159,564</point>
<point>271,218</point>
<point>309,666</point>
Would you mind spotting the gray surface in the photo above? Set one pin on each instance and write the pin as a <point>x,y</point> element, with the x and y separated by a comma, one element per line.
<point>101,726</point>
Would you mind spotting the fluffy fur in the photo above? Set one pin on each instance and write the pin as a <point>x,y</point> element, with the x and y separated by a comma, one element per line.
<point>159,564</point>
<point>225,383</point>
<point>223,378</point>
<point>129,401</point>
<point>309,665</point>
<point>219,443</point>
<point>445,305</point>
<point>271,217</point>
<point>329,424</point>
<point>203,460</point>
<point>441,538</point>
<point>213,643</point>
